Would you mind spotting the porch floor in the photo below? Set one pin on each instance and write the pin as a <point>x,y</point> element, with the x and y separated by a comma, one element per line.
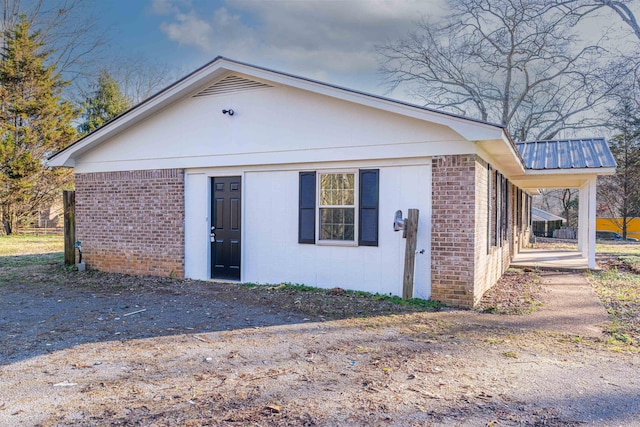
<point>550,259</point>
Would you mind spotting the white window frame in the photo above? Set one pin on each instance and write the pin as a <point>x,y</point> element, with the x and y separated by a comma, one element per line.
<point>356,201</point>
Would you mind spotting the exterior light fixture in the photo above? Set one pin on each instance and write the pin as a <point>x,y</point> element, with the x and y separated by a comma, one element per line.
<point>229,112</point>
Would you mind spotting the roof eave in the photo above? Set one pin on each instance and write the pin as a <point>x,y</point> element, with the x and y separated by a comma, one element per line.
<point>503,152</point>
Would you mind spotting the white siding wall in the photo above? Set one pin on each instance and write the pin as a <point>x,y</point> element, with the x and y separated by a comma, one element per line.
<point>196,225</point>
<point>270,126</point>
<point>272,254</point>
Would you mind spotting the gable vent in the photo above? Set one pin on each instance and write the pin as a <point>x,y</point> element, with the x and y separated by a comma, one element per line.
<point>231,84</point>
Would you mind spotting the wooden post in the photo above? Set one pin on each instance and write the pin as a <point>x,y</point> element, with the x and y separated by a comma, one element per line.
<point>69,205</point>
<point>411,229</point>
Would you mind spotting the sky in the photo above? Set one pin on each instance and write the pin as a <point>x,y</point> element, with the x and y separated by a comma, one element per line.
<point>328,40</point>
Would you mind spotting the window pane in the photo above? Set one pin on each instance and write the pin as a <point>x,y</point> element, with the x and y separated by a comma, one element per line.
<point>337,189</point>
<point>347,197</point>
<point>337,223</point>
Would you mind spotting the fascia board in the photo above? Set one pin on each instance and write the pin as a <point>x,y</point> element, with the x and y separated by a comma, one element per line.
<point>501,154</point>
<point>580,171</point>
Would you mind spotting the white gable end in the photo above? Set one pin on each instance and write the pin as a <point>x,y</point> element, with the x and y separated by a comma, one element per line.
<point>271,124</point>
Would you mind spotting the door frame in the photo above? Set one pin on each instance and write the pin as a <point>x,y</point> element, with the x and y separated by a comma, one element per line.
<point>209,218</point>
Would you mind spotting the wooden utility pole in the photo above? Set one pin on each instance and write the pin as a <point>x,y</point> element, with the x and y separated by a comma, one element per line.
<point>411,230</point>
<point>69,205</point>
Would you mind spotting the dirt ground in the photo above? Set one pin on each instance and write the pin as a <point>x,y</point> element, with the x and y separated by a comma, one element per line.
<point>93,349</point>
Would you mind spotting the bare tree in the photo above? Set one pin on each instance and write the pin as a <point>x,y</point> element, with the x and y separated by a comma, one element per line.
<point>67,29</point>
<point>517,63</point>
<point>139,78</point>
<point>624,12</point>
<point>623,52</point>
<point>563,202</point>
<point>582,8</point>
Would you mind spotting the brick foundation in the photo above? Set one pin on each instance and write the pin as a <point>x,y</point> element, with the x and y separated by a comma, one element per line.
<point>132,222</point>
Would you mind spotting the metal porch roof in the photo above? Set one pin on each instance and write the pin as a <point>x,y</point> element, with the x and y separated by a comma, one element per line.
<point>566,154</point>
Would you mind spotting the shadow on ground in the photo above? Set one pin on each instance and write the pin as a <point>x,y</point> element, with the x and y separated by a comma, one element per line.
<point>48,307</point>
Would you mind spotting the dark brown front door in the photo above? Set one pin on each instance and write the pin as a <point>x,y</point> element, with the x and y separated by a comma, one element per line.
<point>225,227</point>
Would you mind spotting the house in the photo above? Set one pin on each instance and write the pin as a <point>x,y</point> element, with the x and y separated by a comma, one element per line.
<point>242,173</point>
<point>545,223</point>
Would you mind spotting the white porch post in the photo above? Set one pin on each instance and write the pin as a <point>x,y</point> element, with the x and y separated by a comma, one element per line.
<point>591,256</point>
<point>583,199</point>
<point>587,222</point>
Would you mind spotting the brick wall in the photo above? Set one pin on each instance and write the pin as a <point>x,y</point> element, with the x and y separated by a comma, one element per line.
<point>132,222</point>
<point>466,261</point>
<point>491,259</point>
<point>452,233</point>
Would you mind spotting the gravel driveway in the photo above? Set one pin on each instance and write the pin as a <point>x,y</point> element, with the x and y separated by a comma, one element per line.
<point>99,349</point>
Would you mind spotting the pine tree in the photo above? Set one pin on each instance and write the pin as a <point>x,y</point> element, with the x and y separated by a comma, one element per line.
<point>34,122</point>
<point>620,193</point>
<point>105,103</point>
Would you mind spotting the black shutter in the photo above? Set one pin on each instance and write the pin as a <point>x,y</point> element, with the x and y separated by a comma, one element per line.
<point>507,214</point>
<point>368,209</point>
<point>307,208</point>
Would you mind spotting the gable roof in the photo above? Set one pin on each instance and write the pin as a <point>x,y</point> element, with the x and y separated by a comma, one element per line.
<point>209,77</point>
<point>540,215</point>
<point>566,154</point>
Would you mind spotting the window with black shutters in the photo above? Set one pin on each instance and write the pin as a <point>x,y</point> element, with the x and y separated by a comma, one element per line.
<point>339,207</point>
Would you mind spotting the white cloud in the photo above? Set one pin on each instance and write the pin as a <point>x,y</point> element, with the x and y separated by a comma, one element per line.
<point>189,29</point>
<point>168,7</point>
<point>326,40</point>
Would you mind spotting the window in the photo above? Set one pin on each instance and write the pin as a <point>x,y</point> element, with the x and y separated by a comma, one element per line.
<point>490,191</point>
<point>519,208</point>
<point>343,205</point>
<point>498,210</point>
<point>502,207</point>
<point>337,206</point>
<point>507,212</point>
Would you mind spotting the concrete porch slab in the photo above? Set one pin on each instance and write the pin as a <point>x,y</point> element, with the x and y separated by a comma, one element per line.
<point>550,259</point>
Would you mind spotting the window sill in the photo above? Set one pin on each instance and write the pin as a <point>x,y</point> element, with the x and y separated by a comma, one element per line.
<point>336,243</point>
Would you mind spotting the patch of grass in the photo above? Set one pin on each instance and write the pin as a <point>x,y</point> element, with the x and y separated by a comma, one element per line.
<point>431,305</point>
<point>618,248</point>
<point>26,260</point>
<point>602,246</point>
<point>428,305</point>
<point>29,244</point>
<point>619,291</point>
<point>301,288</point>
<point>511,354</point>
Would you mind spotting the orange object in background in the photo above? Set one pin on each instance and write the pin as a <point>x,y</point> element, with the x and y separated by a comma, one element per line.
<point>615,224</point>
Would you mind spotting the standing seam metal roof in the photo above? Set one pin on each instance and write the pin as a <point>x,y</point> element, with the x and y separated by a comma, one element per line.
<point>566,154</point>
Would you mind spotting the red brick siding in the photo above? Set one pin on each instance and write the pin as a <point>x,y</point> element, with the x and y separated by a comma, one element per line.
<point>453,230</point>
<point>491,263</point>
<point>132,222</point>
<point>464,265</point>
<point>490,260</point>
